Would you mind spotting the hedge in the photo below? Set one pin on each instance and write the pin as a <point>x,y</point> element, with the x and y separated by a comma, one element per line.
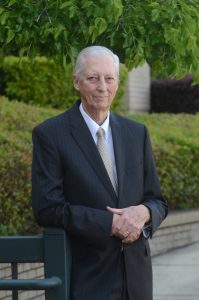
<point>175,140</point>
<point>45,83</point>
<point>16,123</point>
<point>174,96</point>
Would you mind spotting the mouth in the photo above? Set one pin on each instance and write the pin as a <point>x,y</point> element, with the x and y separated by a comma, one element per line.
<point>101,97</point>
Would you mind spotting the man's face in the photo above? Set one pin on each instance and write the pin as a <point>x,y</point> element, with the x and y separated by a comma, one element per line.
<point>97,83</point>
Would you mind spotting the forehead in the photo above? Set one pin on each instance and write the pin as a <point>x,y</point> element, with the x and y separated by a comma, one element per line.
<point>99,65</point>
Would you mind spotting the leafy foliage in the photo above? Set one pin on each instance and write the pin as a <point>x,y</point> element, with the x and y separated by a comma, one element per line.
<point>42,83</point>
<point>163,33</point>
<point>16,123</point>
<point>175,142</point>
<point>45,83</point>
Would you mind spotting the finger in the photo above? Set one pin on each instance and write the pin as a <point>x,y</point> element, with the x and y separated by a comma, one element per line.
<point>129,240</point>
<point>126,234</point>
<point>121,227</point>
<point>119,231</point>
<point>118,211</point>
<point>132,237</point>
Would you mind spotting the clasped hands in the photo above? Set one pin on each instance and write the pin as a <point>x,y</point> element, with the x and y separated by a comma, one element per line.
<point>128,222</point>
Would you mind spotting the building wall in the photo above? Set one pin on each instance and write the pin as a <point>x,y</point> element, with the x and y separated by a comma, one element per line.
<point>179,229</point>
<point>25,271</point>
<point>138,89</point>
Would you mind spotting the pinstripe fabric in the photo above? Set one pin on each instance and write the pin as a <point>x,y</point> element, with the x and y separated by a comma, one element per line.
<point>71,189</point>
<point>101,145</point>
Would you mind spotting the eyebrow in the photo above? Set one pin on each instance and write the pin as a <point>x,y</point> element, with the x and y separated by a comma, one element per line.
<point>96,74</point>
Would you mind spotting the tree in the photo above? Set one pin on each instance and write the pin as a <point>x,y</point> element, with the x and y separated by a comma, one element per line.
<point>164,33</point>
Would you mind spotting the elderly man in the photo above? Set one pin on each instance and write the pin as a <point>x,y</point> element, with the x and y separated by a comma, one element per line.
<point>94,176</point>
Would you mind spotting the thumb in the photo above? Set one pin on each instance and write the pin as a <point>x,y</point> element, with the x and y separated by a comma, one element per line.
<point>118,211</point>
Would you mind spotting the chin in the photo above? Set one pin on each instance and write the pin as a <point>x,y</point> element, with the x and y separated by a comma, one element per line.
<point>102,102</point>
<point>102,106</point>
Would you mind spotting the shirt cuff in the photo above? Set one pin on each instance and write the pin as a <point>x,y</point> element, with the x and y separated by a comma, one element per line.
<point>146,230</point>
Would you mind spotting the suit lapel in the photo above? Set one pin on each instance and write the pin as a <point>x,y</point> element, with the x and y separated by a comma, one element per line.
<point>118,145</point>
<point>84,140</point>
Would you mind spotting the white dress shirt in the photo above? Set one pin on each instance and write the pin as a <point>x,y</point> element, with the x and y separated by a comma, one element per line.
<point>93,127</point>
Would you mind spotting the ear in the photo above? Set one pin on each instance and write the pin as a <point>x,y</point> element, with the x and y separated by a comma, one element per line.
<point>76,82</point>
<point>118,84</point>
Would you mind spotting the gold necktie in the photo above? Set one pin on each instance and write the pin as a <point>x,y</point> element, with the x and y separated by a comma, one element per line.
<point>101,145</point>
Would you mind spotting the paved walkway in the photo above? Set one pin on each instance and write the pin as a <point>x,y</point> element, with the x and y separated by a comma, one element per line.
<point>176,274</point>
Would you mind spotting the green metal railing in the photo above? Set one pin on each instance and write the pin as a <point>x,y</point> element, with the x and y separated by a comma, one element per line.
<point>51,248</point>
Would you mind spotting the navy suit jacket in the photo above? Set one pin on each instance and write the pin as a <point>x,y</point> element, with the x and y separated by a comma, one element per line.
<point>71,189</point>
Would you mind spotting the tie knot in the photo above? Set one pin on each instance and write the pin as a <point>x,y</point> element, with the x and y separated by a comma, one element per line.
<point>100,132</point>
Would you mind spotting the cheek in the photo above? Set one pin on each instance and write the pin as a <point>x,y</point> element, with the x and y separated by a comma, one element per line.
<point>114,90</point>
<point>89,88</point>
<point>87,93</point>
<point>86,90</point>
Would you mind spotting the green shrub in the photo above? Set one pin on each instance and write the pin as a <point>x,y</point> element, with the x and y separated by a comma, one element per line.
<point>16,123</point>
<point>178,167</point>
<point>44,83</point>
<point>175,142</point>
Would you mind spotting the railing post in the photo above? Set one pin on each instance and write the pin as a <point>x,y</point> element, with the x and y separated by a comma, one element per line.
<point>57,262</point>
<point>14,269</point>
<point>53,248</point>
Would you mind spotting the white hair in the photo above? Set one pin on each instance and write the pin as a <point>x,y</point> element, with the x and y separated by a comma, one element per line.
<point>97,51</point>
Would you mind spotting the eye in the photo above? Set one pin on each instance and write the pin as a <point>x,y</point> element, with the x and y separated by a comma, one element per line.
<point>92,78</point>
<point>110,79</point>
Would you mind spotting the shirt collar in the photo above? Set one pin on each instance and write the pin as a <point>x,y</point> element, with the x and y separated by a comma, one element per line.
<point>92,125</point>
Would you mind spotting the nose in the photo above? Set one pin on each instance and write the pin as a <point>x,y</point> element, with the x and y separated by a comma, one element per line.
<point>102,85</point>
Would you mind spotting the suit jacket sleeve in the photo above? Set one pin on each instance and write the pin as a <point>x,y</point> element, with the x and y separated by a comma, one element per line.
<point>49,206</point>
<point>152,194</point>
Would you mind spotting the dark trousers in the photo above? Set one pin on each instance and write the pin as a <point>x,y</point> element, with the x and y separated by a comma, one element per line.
<point>119,291</point>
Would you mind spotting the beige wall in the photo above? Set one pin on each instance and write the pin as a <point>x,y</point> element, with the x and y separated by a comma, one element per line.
<point>138,89</point>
